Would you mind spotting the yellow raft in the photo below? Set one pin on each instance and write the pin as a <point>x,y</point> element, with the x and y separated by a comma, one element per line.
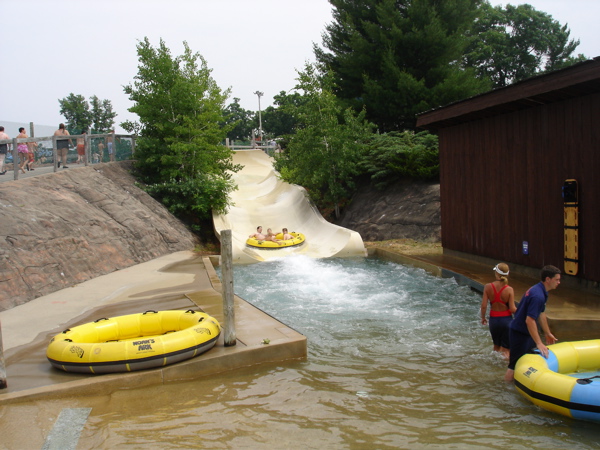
<point>297,240</point>
<point>133,342</point>
<point>568,382</point>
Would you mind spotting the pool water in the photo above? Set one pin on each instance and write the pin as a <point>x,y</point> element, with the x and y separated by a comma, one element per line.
<point>397,358</point>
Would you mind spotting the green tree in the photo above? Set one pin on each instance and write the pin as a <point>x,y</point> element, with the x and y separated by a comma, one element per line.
<point>240,120</point>
<point>277,122</point>
<point>322,155</point>
<point>399,57</point>
<point>399,155</point>
<point>76,111</point>
<point>513,43</point>
<point>103,116</point>
<point>78,115</point>
<point>179,155</point>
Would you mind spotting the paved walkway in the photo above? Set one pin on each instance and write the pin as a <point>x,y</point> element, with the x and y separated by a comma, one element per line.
<point>37,171</point>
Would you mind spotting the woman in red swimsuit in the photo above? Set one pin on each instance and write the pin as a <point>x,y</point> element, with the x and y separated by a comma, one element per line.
<point>501,298</point>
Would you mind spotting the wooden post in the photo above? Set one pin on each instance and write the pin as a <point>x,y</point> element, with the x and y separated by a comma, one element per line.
<point>87,149</point>
<point>15,159</point>
<point>227,284</point>
<point>55,153</point>
<point>3,384</point>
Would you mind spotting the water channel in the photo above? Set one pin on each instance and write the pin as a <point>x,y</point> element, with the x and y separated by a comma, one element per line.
<point>396,359</point>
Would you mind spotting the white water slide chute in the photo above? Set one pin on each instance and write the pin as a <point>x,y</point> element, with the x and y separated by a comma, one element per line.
<point>263,199</point>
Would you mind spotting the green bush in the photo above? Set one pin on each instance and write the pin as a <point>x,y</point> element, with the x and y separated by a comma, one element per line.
<point>397,155</point>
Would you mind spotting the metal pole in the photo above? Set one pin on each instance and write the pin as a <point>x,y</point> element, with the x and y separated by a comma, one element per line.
<point>260,131</point>
<point>227,284</point>
<point>3,383</point>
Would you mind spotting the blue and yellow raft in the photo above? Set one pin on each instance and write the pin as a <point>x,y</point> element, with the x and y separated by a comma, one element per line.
<point>568,382</point>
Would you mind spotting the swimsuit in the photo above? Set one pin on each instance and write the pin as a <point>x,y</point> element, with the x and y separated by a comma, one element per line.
<point>498,299</point>
<point>499,322</point>
<point>22,148</point>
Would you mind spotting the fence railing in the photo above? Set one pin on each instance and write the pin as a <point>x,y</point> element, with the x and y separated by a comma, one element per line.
<point>95,147</point>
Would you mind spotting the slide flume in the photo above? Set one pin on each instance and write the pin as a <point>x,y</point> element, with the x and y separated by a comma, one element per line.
<point>263,199</point>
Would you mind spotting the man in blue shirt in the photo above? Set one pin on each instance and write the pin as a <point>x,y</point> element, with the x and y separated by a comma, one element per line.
<point>524,333</point>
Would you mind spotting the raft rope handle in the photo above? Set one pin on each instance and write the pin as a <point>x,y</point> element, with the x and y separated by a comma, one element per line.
<point>150,311</point>
<point>586,380</point>
<point>190,311</point>
<point>66,331</point>
<point>101,318</point>
<point>201,319</point>
<point>68,340</point>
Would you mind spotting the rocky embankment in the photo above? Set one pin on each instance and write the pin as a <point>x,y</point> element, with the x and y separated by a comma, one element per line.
<point>405,210</point>
<point>64,228</point>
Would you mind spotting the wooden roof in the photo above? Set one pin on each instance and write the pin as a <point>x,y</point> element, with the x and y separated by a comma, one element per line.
<point>574,81</point>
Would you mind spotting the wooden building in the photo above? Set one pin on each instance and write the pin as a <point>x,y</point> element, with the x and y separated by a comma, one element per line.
<point>504,158</point>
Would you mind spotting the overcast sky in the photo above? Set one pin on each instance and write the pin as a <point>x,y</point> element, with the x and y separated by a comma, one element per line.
<point>51,48</point>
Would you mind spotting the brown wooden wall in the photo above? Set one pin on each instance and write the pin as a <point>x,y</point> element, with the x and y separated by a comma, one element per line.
<point>501,181</point>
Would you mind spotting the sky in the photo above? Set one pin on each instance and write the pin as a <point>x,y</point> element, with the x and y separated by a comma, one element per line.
<point>51,48</point>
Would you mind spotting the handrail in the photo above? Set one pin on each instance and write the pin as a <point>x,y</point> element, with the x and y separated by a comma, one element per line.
<point>71,137</point>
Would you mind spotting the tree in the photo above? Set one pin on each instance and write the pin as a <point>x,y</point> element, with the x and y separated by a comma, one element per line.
<point>103,116</point>
<point>76,111</point>
<point>179,155</point>
<point>322,155</point>
<point>276,121</point>
<point>78,116</point>
<point>516,42</point>
<point>399,57</point>
<point>240,120</point>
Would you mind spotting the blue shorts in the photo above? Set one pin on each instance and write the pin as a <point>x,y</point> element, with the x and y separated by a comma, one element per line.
<point>499,327</point>
<point>520,344</point>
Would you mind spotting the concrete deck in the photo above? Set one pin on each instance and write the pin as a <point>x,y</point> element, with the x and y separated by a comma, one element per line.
<point>178,281</point>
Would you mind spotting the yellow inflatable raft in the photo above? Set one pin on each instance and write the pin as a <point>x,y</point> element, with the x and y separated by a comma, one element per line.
<point>297,240</point>
<point>568,382</point>
<point>133,342</point>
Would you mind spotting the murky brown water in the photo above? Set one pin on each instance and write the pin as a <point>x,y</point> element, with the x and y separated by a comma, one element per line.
<point>389,367</point>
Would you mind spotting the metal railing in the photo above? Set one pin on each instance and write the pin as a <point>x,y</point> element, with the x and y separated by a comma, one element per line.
<point>90,156</point>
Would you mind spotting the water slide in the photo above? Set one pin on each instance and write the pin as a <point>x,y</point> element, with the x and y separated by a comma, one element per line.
<point>263,199</point>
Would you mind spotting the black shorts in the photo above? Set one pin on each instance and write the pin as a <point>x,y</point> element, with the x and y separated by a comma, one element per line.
<point>3,149</point>
<point>61,144</point>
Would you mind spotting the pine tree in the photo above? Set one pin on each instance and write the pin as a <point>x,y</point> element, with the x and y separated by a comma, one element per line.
<point>399,57</point>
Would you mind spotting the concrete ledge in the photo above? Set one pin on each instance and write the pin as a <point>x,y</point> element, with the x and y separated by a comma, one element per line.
<point>253,327</point>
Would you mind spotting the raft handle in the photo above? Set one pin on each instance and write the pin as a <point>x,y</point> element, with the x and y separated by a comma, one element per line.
<point>190,311</point>
<point>68,340</point>
<point>586,380</point>
<point>66,331</point>
<point>150,311</point>
<point>101,318</point>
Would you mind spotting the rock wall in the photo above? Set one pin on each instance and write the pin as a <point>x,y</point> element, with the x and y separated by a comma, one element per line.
<point>405,210</point>
<point>64,228</point>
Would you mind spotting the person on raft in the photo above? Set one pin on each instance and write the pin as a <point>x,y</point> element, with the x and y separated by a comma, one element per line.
<point>271,237</point>
<point>258,235</point>
<point>286,235</point>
